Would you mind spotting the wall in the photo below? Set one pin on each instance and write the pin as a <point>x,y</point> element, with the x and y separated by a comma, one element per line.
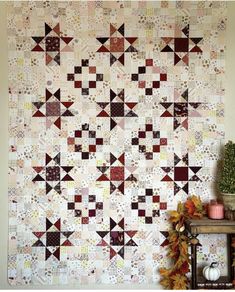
<point>230,76</point>
<point>229,119</point>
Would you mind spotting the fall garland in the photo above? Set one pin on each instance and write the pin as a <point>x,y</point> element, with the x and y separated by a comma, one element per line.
<point>178,244</point>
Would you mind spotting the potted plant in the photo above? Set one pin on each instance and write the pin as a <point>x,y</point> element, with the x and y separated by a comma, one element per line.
<point>226,182</point>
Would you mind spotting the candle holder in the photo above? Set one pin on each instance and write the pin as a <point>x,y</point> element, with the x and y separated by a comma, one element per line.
<point>215,210</point>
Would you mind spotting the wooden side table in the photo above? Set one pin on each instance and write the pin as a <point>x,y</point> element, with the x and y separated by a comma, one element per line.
<point>208,226</point>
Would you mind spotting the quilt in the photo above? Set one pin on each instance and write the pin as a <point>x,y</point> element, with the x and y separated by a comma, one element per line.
<point>115,115</point>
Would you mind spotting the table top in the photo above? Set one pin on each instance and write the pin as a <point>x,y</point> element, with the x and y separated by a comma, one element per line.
<point>207,226</point>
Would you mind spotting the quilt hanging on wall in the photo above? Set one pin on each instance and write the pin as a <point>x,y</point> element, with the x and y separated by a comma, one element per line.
<point>116,114</point>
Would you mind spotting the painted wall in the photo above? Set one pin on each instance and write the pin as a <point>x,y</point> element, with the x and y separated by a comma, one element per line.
<point>230,76</point>
<point>229,119</point>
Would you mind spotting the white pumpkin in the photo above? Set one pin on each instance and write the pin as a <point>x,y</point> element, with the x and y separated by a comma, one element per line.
<point>211,273</point>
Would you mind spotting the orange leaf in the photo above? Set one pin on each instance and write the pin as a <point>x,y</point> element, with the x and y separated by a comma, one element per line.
<point>174,216</point>
<point>180,208</point>
<point>179,282</point>
<point>189,205</point>
<point>197,215</point>
<point>184,247</point>
<point>166,283</point>
<point>197,201</point>
<point>173,236</point>
<point>164,272</point>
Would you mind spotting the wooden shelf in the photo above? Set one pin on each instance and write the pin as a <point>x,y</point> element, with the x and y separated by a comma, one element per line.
<point>210,226</point>
<point>222,283</point>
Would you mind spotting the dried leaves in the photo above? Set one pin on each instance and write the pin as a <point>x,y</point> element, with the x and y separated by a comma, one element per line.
<point>175,277</point>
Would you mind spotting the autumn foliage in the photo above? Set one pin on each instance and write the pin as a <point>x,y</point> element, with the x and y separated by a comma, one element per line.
<point>178,242</point>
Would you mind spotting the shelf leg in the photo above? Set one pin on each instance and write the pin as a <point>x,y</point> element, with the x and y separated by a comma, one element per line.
<point>231,257</point>
<point>194,242</point>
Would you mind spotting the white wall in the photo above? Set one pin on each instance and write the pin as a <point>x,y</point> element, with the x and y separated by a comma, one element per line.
<point>229,134</point>
<point>230,75</point>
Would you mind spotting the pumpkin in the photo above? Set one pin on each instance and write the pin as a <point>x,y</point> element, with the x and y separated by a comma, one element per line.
<point>211,272</point>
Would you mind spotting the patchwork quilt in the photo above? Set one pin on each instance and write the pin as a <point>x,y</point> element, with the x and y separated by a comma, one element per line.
<point>116,115</point>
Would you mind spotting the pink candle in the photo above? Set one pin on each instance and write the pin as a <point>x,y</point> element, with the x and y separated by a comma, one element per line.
<point>216,210</point>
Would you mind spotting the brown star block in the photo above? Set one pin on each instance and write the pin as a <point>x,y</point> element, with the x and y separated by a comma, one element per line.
<point>117,44</point>
<point>52,44</point>
<point>182,47</point>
